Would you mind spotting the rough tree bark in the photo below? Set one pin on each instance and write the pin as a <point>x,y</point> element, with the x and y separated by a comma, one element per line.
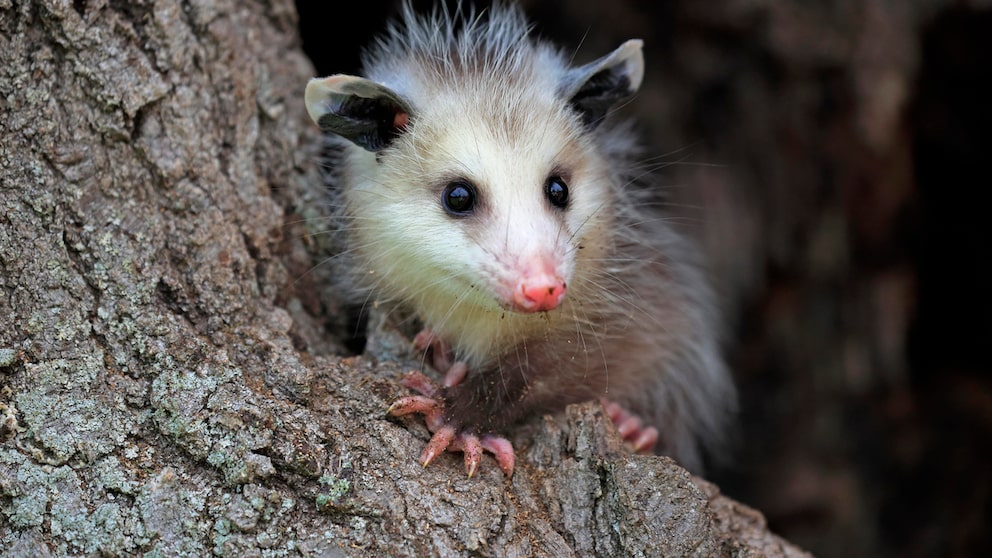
<point>167,387</point>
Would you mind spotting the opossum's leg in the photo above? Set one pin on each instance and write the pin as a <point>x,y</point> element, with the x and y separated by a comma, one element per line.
<point>447,436</point>
<point>440,356</point>
<point>436,351</point>
<point>631,429</point>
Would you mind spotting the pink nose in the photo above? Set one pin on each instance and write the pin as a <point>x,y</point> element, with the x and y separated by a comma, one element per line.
<point>539,294</point>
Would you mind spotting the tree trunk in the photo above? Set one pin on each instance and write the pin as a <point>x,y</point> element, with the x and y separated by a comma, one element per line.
<point>169,385</point>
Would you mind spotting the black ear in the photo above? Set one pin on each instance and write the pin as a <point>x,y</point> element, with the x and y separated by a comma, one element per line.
<point>595,88</point>
<point>362,111</point>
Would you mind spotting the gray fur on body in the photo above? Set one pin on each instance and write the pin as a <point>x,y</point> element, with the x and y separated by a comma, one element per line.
<point>466,96</point>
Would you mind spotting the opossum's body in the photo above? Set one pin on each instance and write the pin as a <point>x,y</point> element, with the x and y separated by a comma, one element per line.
<point>481,187</point>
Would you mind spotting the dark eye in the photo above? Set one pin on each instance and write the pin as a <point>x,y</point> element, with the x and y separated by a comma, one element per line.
<point>556,191</point>
<point>458,198</point>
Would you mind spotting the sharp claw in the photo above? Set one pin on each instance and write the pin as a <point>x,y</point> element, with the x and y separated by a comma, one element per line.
<point>439,442</point>
<point>412,404</point>
<point>473,453</point>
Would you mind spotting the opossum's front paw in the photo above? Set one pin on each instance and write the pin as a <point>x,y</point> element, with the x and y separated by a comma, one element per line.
<point>641,439</point>
<point>448,436</point>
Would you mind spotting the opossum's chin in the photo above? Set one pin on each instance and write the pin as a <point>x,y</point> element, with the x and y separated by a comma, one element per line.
<point>498,305</point>
<point>514,308</point>
<point>517,302</point>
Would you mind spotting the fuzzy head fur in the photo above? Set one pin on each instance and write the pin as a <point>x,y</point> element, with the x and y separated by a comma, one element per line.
<point>484,104</point>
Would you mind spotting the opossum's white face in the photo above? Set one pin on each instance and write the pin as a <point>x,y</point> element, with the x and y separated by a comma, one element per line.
<point>478,214</point>
<point>475,189</point>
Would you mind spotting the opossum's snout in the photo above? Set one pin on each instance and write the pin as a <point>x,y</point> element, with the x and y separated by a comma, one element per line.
<point>538,289</point>
<point>539,295</point>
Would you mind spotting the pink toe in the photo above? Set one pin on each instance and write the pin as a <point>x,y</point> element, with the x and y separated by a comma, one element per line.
<point>434,419</point>
<point>629,426</point>
<point>502,450</point>
<point>439,442</point>
<point>412,404</point>
<point>472,448</point>
<point>642,439</point>
<point>455,374</point>
<point>441,361</point>
<point>438,351</point>
<point>422,341</point>
<point>646,440</point>
<point>614,411</point>
<point>420,383</point>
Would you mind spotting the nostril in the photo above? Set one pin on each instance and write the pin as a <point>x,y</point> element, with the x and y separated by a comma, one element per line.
<point>541,295</point>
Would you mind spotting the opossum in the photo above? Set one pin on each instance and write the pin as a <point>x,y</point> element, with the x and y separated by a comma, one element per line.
<point>482,184</point>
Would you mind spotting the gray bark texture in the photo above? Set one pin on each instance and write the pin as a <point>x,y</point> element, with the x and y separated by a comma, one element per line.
<point>168,386</point>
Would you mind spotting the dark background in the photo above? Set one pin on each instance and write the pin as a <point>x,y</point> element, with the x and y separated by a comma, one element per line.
<point>833,159</point>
